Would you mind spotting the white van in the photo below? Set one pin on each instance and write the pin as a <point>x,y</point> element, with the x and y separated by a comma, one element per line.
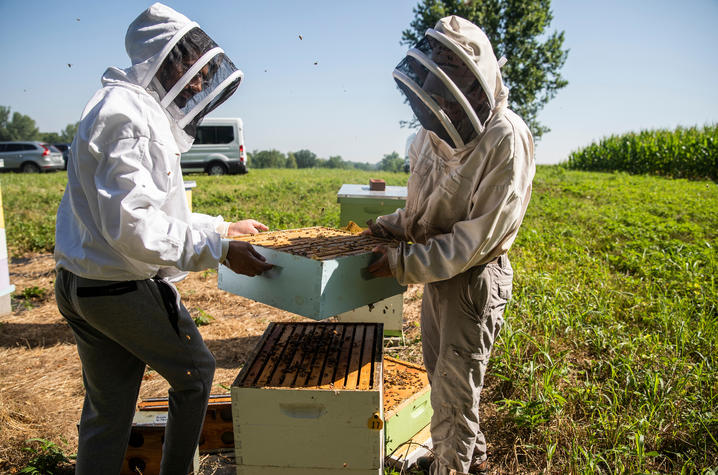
<point>218,148</point>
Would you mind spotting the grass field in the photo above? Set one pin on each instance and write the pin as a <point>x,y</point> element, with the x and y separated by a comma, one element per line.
<point>608,359</point>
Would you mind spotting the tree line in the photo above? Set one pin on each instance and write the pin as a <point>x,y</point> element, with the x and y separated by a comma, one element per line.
<point>390,162</point>
<point>17,126</point>
<point>23,127</point>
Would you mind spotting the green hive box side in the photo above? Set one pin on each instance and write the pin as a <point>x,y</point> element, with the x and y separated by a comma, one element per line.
<point>301,429</point>
<point>311,288</point>
<point>360,210</point>
<point>387,311</point>
<point>408,419</point>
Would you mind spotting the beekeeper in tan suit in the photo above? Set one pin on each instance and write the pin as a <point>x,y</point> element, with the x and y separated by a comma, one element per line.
<point>472,163</point>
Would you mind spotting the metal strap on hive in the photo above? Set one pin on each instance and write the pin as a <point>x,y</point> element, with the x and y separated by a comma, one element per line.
<point>312,355</point>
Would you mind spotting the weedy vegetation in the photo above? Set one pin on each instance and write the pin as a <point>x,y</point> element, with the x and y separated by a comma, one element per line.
<point>202,318</point>
<point>608,359</point>
<point>46,458</point>
<point>680,153</point>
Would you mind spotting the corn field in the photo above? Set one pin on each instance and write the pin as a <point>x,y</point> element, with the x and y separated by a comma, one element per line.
<point>681,153</point>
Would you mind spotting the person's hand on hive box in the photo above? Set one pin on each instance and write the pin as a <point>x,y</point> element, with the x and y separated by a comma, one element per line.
<point>246,226</point>
<point>380,267</point>
<point>243,259</point>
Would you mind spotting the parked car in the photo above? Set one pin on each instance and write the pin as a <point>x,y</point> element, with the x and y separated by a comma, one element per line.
<point>65,149</point>
<point>30,157</point>
<point>218,148</point>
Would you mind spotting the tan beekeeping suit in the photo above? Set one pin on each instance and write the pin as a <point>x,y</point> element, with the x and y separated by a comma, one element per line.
<point>465,203</point>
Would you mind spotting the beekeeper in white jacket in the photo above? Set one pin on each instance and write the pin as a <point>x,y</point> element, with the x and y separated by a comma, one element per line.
<point>125,232</point>
<point>472,164</point>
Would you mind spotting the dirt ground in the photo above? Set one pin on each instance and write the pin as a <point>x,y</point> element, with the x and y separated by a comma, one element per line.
<point>41,389</point>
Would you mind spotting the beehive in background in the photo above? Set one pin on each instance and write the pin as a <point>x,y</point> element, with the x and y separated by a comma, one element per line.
<point>359,203</point>
<point>188,185</point>
<point>309,400</point>
<point>217,433</point>
<point>144,449</point>
<point>6,289</point>
<point>318,272</point>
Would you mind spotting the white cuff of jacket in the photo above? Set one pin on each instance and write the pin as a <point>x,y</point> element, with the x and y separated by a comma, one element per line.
<point>222,229</point>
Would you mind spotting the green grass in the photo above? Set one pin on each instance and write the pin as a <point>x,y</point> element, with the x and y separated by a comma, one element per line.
<point>608,360</point>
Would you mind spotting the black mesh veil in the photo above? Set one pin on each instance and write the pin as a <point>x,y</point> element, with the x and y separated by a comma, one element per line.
<point>194,78</point>
<point>428,112</point>
<point>431,76</point>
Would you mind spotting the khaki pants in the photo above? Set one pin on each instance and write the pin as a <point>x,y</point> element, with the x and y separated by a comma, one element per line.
<point>460,320</point>
<point>120,327</point>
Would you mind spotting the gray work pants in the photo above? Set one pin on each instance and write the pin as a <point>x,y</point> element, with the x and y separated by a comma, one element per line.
<point>120,327</point>
<point>460,319</point>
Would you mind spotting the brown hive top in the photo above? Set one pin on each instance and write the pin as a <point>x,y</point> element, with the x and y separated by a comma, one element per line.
<point>317,242</point>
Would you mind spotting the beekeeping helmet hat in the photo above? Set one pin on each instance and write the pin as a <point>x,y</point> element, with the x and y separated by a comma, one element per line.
<point>452,80</point>
<point>177,63</point>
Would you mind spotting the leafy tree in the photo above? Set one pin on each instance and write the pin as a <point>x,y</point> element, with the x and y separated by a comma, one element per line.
<point>518,29</point>
<point>21,127</point>
<point>4,118</point>
<point>391,162</point>
<point>50,137</point>
<point>268,159</point>
<point>291,161</point>
<point>65,136</point>
<point>363,165</point>
<point>305,159</point>
<point>68,133</point>
<point>336,162</point>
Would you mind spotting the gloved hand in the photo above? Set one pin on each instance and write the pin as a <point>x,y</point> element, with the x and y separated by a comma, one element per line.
<point>380,267</point>
<point>374,229</point>
<point>243,259</point>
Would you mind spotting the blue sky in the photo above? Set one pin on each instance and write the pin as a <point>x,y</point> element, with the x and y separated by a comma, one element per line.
<point>632,65</point>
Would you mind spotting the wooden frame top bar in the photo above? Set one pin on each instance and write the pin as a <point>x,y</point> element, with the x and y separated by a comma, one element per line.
<point>309,355</point>
<point>317,242</point>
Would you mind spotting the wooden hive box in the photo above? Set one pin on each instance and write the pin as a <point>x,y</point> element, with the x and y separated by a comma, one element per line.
<point>309,400</point>
<point>318,272</point>
<point>144,449</point>
<point>360,203</point>
<point>217,432</point>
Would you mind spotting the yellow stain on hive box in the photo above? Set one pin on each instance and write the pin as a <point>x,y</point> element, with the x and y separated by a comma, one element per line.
<point>2,216</point>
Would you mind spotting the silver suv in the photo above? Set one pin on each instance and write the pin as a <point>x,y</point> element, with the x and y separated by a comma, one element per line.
<point>30,157</point>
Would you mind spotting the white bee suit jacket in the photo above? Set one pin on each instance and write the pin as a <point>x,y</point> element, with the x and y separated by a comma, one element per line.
<point>464,205</point>
<point>124,214</point>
